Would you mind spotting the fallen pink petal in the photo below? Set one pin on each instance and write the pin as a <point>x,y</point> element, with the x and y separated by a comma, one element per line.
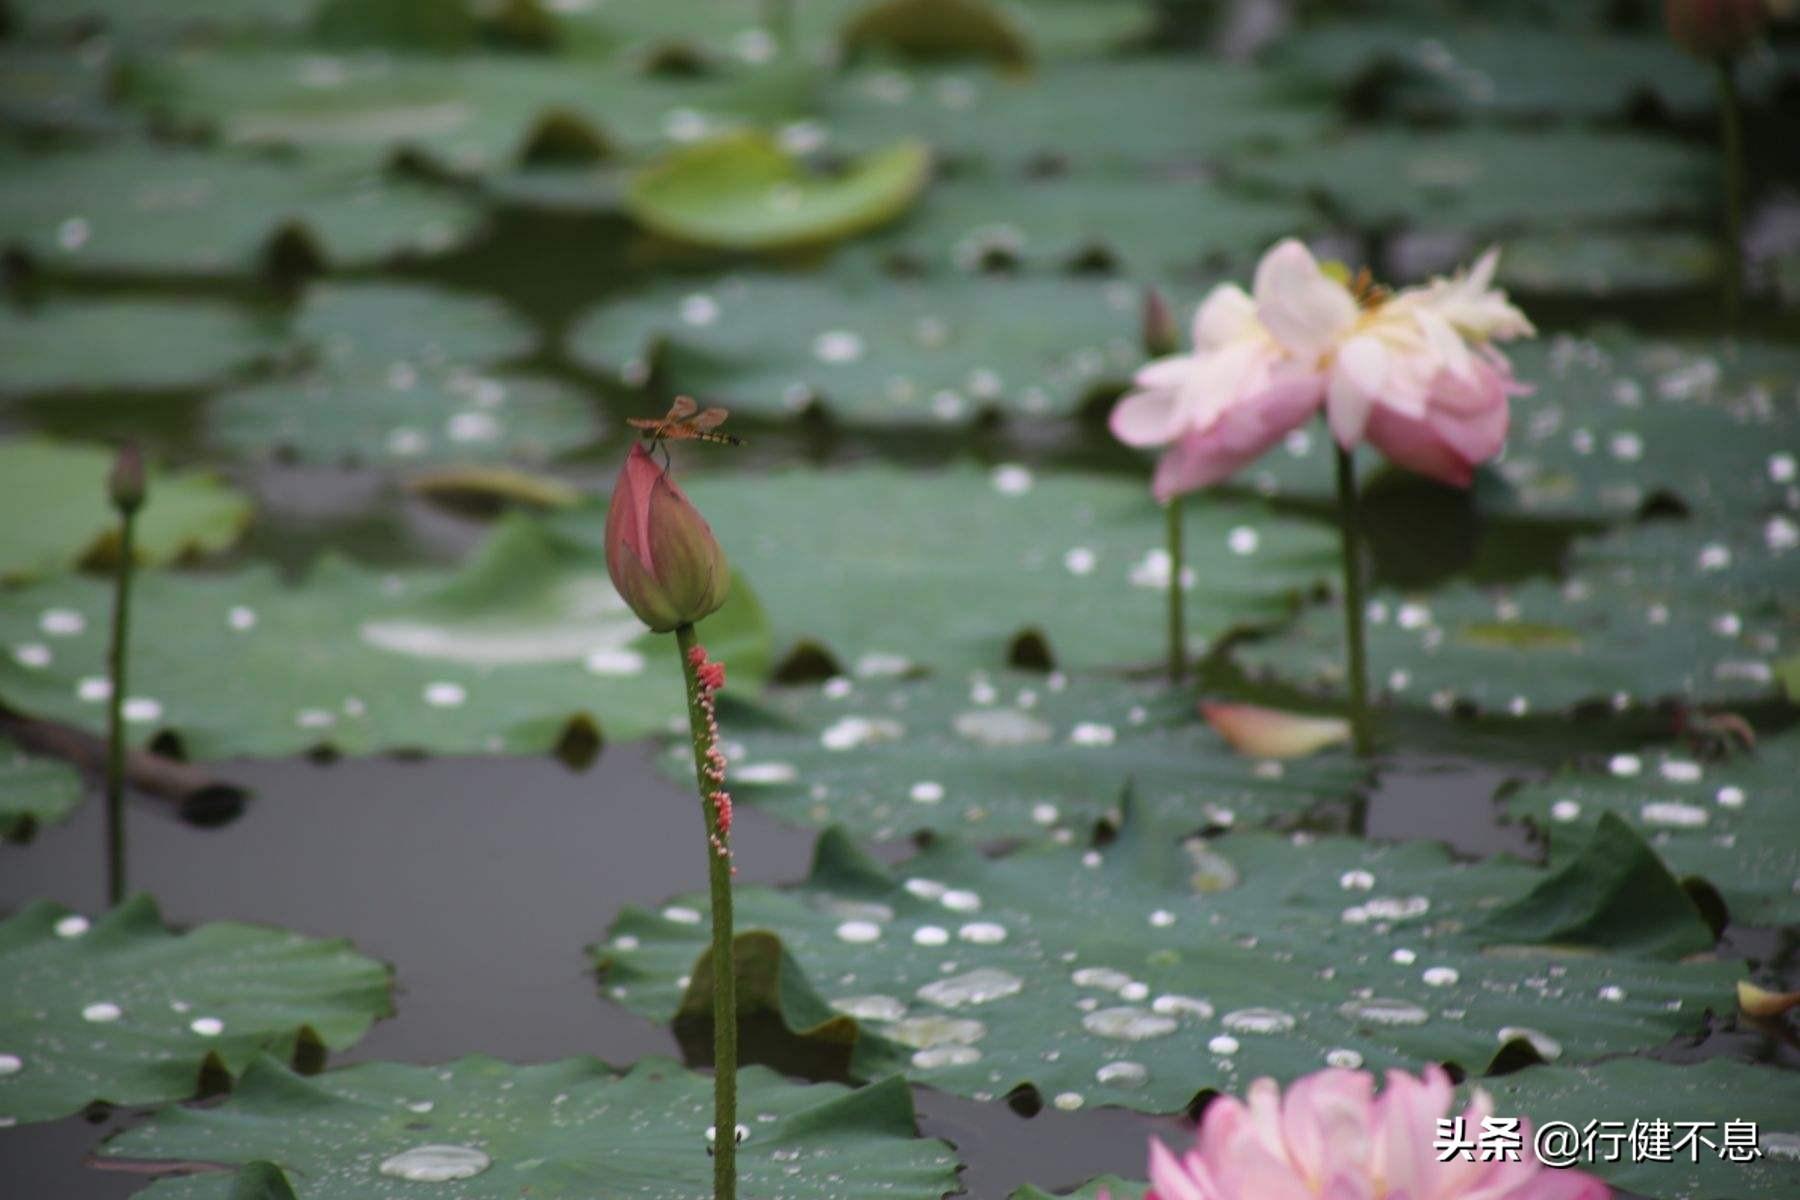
<point>1258,732</point>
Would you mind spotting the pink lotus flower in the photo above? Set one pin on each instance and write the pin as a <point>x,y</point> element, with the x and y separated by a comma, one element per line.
<point>1462,422</point>
<point>1463,416</point>
<point>1332,1138</point>
<point>1415,374</point>
<point>660,552</point>
<point>1237,394</point>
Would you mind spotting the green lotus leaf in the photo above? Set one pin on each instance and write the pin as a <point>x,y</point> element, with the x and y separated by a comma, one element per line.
<point>1728,822</point>
<point>1627,1092</point>
<point>1435,71</point>
<point>261,1180</point>
<point>1113,975</point>
<point>1613,893</point>
<point>744,192</point>
<point>135,23</point>
<point>526,648</point>
<point>1619,420</point>
<point>352,326</point>
<point>121,346</point>
<point>56,92</point>
<point>125,1010</point>
<point>1666,611</point>
<point>1605,263</point>
<point>941,569</point>
<point>736,30</point>
<point>554,1131</point>
<point>443,26</point>
<point>459,416</point>
<point>1007,754</point>
<point>404,373</point>
<point>1109,115</point>
<point>1491,179</point>
<point>63,485</point>
<point>487,115</point>
<point>34,792</point>
<point>1138,228</point>
<point>869,349</point>
<point>937,29</point>
<point>136,208</point>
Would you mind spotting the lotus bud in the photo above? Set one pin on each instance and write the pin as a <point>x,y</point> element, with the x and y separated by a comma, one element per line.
<point>660,552</point>
<point>126,482</point>
<point>1161,337</point>
<point>1716,28</point>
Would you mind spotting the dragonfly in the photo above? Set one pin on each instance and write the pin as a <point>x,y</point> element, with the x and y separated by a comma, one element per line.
<point>685,421</point>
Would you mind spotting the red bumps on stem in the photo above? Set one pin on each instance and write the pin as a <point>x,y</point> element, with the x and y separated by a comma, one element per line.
<point>704,678</point>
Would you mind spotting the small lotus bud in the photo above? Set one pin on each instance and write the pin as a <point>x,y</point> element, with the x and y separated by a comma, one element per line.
<point>126,482</point>
<point>1161,337</point>
<point>1716,28</point>
<point>660,552</point>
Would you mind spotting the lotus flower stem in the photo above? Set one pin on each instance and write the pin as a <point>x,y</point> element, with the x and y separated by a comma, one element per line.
<point>1177,615</point>
<point>126,486</point>
<point>704,679</point>
<point>1357,668</point>
<point>1731,129</point>
<point>115,722</point>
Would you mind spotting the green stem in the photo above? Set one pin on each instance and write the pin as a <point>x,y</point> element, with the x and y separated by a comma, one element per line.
<point>1731,129</point>
<point>115,723</point>
<point>1350,522</point>
<point>1177,611</point>
<point>718,869</point>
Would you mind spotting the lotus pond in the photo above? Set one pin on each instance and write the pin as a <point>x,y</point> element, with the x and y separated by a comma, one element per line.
<point>1429,700</point>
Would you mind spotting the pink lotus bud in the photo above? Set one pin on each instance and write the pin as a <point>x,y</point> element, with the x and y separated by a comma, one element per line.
<point>1716,28</point>
<point>126,482</point>
<point>660,552</point>
<point>1161,337</point>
